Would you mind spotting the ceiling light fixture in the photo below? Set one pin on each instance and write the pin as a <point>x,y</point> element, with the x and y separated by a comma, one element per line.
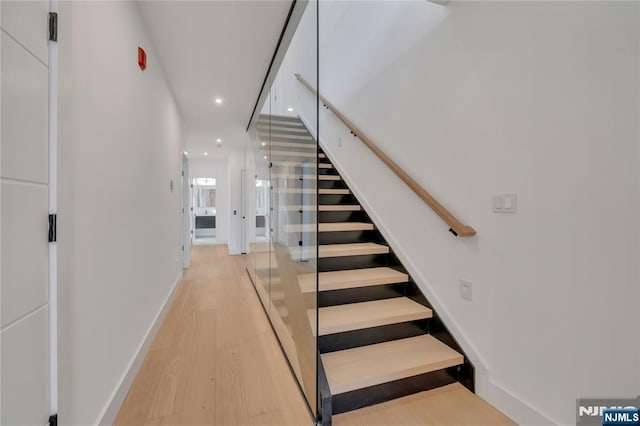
<point>185,152</point>
<point>265,157</point>
<point>219,140</point>
<point>218,101</point>
<point>206,153</point>
<point>290,109</point>
<point>264,144</point>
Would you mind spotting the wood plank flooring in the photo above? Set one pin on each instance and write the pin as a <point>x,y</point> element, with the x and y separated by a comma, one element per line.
<point>215,360</point>
<point>449,405</point>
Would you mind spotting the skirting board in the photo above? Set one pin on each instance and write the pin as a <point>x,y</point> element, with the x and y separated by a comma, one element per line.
<point>113,406</point>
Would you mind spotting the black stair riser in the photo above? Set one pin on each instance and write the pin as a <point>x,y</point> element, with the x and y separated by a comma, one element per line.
<point>342,216</point>
<point>326,264</point>
<point>332,184</point>
<point>371,336</point>
<point>336,199</point>
<point>353,400</point>
<point>331,171</point>
<point>344,237</point>
<point>361,294</point>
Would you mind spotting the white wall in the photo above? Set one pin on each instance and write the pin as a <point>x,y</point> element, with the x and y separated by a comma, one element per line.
<point>121,142</point>
<point>218,169</point>
<point>478,98</point>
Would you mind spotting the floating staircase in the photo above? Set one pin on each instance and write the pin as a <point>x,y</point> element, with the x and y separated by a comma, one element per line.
<point>378,337</point>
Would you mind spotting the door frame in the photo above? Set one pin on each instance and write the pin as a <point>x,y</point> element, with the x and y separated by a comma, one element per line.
<point>186,216</point>
<point>243,212</point>
<point>53,210</point>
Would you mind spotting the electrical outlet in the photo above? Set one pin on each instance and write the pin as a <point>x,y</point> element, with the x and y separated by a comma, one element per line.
<point>466,290</point>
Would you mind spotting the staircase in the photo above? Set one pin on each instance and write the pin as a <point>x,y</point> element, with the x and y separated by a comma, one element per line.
<point>378,337</point>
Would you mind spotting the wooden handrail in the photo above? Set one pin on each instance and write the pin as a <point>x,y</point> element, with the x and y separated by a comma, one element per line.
<point>456,227</point>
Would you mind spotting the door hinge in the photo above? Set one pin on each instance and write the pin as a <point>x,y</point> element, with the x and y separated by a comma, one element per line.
<point>53,26</point>
<point>183,248</point>
<point>53,224</point>
<point>53,420</point>
<point>300,243</point>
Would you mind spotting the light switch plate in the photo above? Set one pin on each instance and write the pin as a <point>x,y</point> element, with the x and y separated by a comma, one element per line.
<point>505,203</point>
<point>466,290</point>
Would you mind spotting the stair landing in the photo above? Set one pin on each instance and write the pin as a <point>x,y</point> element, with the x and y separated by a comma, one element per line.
<point>448,405</point>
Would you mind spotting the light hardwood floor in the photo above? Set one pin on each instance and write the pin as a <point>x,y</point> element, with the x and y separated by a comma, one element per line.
<point>451,405</point>
<point>215,360</point>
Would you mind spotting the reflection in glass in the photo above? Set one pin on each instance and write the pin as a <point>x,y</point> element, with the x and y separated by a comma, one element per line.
<point>204,210</point>
<point>283,258</point>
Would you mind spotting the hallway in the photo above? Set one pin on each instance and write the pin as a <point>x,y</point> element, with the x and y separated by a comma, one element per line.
<point>215,359</point>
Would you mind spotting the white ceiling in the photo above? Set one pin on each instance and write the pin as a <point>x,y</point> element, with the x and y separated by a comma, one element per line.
<point>212,49</point>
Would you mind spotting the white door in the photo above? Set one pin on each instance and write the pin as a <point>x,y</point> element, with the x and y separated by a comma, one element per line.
<point>24,209</point>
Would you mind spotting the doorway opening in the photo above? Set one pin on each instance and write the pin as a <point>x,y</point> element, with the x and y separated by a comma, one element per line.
<point>204,210</point>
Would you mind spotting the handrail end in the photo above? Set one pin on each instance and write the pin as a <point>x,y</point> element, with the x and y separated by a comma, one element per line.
<point>466,231</point>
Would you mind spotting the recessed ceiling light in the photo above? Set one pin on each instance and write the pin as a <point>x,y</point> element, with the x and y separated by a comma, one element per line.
<point>186,153</point>
<point>265,157</point>
<point>219,140</point>
<point>218,101</point>
<point>264,144</point>
<point>290,109</point>
<point>206,153</point>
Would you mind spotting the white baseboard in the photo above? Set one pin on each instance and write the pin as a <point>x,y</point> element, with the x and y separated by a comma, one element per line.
<point>513,406</point>
<point>117,398</point>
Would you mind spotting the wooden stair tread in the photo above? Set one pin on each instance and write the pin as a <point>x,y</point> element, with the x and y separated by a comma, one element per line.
<point>351,278</point>
<point>293,153</point>
<point>333,191</point>
<point>375,313</point>
<point>339,208</point>
<point>371,365</point>
<point>447,405</point>
<point>351,249</point>
<point>344,226</point>
<point>330,177</point>
<point>282,120</point>
<point>299,145</point>
<point>267,136</point>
